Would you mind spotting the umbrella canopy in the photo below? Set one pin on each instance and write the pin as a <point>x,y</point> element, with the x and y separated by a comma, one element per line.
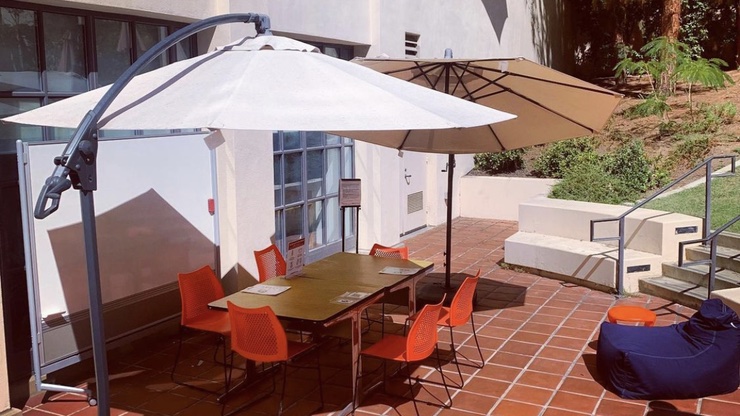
<point>549,105</point>
<point>272,83</point>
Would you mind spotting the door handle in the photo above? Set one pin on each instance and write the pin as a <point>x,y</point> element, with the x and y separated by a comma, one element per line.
<point>406,177</point>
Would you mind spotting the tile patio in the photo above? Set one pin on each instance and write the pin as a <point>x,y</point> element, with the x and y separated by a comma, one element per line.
<point>538,337</point>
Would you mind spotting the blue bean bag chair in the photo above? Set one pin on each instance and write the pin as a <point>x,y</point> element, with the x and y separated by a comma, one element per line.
<point>693,359</point>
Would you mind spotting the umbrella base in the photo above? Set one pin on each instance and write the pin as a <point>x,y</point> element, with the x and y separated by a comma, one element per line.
<point>431,293</point>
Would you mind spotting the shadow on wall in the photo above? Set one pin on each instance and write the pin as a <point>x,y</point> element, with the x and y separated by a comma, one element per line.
<point>497,13</point>
<point>551,34</point>
<point>142,245</point>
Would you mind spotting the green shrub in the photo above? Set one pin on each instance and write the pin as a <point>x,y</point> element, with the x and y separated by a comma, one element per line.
<point>690,149</point>
<point>503,162</point>
<point>560,156</point>
<point>654,105</point>
<point>631,165</point>
<point>711,118</point>
<point>589,181</point>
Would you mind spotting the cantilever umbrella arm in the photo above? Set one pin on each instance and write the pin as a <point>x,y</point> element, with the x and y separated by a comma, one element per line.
<point>77,167</point>
<point>78,159</point>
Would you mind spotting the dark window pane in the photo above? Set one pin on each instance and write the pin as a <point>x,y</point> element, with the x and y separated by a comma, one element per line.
<point>315,170</point>
<point>293,178</point>
<point>146,37</point>
<point>10,132</point>
<point>293,223</point>
<point>314,138</point>
<point>291,140</point>
<point>64,46</point>
<point>112,48</point>
<point>275,141</point>
<point>184,49</point>
<point>277,169</point>
<point>19,64</point>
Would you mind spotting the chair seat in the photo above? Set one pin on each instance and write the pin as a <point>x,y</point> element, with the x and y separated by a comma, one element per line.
<point>212,321</point>
<point>391,347</point>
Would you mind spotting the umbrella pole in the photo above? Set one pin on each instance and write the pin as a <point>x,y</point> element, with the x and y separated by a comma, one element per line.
<point>96,301</point>
<point>448,246</point>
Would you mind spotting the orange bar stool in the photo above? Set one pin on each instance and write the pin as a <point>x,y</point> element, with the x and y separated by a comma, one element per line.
<point>632,314</point>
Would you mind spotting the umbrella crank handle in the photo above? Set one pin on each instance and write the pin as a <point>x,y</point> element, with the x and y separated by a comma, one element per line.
<point>51,193</point>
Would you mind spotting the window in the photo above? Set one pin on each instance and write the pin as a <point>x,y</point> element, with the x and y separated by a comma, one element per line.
<point>307,169</point>
<point>47,54</point>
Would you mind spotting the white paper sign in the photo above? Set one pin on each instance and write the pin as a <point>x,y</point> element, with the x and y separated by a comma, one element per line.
<point>400,270</point>
<point>294,260</point>
<point>263,289</point>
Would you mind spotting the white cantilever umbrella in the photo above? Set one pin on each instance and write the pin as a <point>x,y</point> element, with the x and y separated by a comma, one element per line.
<point>262,83</point>
<point>549,105</point>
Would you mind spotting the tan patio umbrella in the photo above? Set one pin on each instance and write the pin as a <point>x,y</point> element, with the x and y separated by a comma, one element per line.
<point>549,105</point>
<point>263,83</point>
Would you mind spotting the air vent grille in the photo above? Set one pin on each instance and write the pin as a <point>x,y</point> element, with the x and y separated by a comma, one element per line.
<point>412,45</point>
<point>415,202</point>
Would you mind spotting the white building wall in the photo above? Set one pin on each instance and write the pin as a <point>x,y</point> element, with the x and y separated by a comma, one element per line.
<point>471,28</point>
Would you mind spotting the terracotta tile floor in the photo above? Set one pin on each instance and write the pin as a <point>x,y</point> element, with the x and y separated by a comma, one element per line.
<point>537,334</point>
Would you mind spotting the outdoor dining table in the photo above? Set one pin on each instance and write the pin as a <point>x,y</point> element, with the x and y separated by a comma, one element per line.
<point>336,289</point>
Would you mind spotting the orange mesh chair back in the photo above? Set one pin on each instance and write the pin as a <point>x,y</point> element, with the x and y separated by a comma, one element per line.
<point>270,263</point>
<point>461,307</point>
<point>257,335</point>
<point>390,252</point>
<point>418,345</point>
<point>197,289</point>
<point>422,338</point>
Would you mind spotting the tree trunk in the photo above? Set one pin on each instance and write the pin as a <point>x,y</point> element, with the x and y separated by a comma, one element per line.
<point>670,25</point>
<point>737,34</point>
<point>670,22</point>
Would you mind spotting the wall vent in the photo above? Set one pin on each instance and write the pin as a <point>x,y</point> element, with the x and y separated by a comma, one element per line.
<point>415,202</point>
<point>412,45</point>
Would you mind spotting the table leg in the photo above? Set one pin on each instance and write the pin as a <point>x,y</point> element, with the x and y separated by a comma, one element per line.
<point>356,324</point>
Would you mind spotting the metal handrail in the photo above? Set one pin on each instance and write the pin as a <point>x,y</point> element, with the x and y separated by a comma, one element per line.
<point>712,261</point>
<point>707,211</point>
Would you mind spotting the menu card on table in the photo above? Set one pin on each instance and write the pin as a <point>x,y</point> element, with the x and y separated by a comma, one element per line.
<point>400,270</point>
<point>349,298</point>
<point>294,259</point>
<point>263,289</point>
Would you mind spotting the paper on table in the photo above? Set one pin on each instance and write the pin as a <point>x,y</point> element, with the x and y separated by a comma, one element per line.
<point>400,270</point>
<point>350,297</point>
<point>262,289</point>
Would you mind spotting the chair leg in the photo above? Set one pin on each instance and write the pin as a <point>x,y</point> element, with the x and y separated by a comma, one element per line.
<point>177,357</point>
<point>321,381</point>
<point>475,337</point>
<point>282,392</point>
<point>447,390</point>
<point>454,357</point>
<point>411,387</point>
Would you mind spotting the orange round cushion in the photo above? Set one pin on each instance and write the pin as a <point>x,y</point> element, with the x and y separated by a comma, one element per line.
<point>629,313</point>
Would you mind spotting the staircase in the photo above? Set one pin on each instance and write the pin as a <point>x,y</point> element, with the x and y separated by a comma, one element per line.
<point>687,285</point>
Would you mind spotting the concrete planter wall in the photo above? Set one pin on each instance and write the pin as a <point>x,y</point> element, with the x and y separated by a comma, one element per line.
<point>497,197</point>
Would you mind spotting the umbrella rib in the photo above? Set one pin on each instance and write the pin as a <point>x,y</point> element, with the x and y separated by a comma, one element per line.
<point>507,89</point>
<point>513,74</point>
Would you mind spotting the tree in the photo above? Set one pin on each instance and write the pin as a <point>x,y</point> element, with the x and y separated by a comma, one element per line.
<point>670,26</point>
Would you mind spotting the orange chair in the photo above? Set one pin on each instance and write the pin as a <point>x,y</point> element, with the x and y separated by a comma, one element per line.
<point>388,252</point>
<point>459,313</point>
<point>197,289</point>
<point>270,263</point>
<point>418,345</point>
<point>258,336</point>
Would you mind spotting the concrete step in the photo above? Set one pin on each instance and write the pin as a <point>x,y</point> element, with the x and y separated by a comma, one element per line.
<point>729,240</point>
<point>698,274</point>
<point>727,258</point>
<point>683,293</point>
<point>730,297</point>
<point>646,230</point>
<point>583,262</point>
